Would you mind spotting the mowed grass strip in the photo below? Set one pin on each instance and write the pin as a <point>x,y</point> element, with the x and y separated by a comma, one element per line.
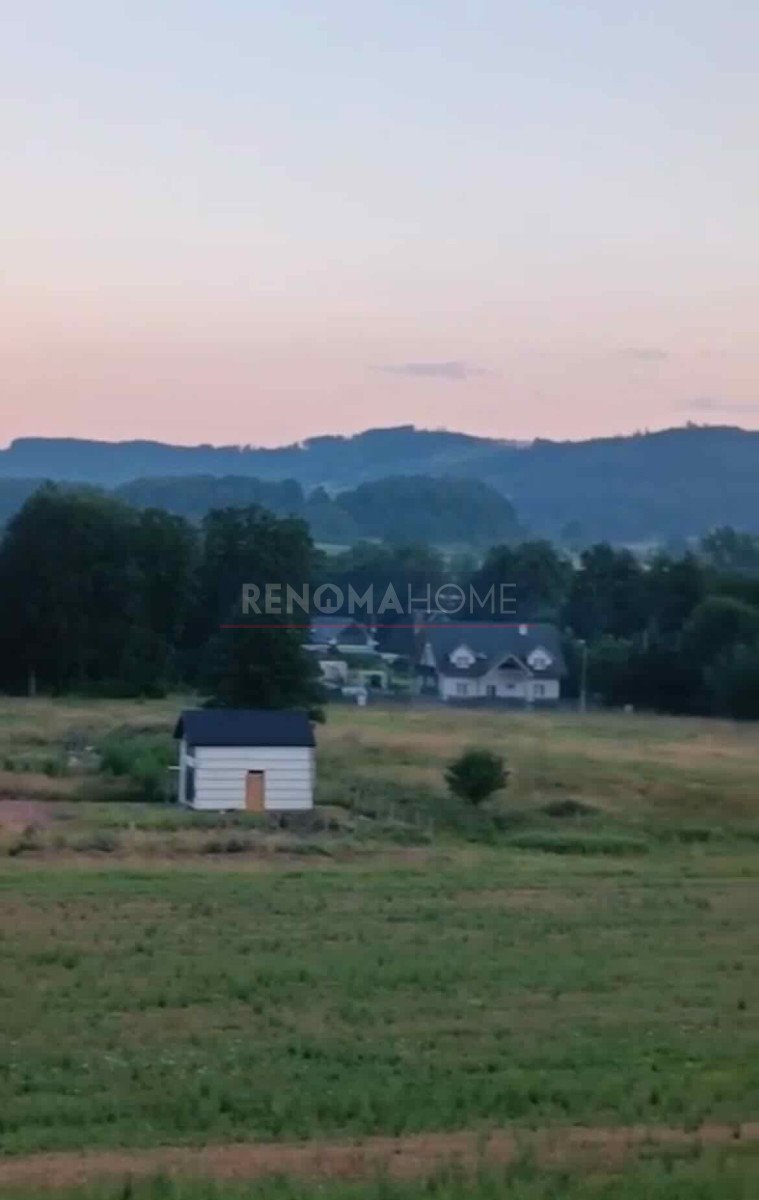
<point>472,990</point>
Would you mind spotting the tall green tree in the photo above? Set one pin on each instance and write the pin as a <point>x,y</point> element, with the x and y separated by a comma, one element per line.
<point>256,659</point>
<point>166,554</point>
<point>717,626</point>
<point>607,595</point>
<point>731,551</point>
<point>68,589</point>
<point>245,545</point>
<point>166,550</point>
<point>674,587</point>
<point>263,666</point>
<point>733,682</point>
<point>536,575</point>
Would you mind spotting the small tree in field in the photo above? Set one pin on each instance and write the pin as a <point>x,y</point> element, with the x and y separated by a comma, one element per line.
<point>476,774</point>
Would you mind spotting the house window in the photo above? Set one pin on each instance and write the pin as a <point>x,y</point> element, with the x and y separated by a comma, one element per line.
<point>189,784</point>
<point>490,690</point>
<point>538,690</point>
<point>462,689</point>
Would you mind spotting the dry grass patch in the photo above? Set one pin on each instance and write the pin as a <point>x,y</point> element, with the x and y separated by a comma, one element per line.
<point>614,762</point>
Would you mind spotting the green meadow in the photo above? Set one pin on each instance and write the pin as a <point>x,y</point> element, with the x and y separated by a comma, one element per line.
<point>490,986</point>
<point>584,952</point>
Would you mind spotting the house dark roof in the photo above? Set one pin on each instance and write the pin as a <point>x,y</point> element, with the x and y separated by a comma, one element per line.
<point>492,643</point>
<point>407,635</point>
<point>244,727</point>
<point>345,631</point>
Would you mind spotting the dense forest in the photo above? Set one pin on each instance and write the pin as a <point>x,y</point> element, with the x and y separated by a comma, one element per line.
<point>648,487</point>
<point>445,512</point>
<point>100,596</point>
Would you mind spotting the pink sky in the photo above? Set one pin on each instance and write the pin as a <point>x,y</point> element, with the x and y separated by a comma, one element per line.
<point>260,224</point>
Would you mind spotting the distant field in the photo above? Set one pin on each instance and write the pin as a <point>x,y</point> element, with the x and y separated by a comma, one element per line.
<point>632,779</point>
<point>631,766</point>
<point>403,965</point>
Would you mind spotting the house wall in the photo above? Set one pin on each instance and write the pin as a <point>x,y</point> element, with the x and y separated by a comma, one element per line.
<point>545,691</point>
<point>500,685</point>
<point>220,774</point>
<point>334,670</point>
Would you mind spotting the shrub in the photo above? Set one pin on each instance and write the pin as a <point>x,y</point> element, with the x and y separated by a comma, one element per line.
<point>100,840</point>
<point>228,845</point>
<point>26,842</point>
<point>567,808</point>
<point>550,841</point>
<point>149,774</point>
<point>476,774</point>
<point>55,767</point>
<point>142,759</point>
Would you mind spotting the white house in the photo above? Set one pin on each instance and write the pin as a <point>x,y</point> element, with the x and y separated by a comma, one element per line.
<point>480,661</point>
<point>242,758</point>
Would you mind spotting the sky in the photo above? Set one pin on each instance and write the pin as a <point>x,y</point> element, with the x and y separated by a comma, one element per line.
<point>245,222</point>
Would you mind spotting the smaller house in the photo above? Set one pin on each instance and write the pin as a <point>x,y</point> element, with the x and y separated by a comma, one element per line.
<point>488,662</point>
<point>256,759</point>
<point>341,634</point>
<point>340,671</point>
<point>346,651</point>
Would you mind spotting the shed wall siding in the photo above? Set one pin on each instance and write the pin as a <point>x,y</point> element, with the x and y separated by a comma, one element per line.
<point>220,773</point>
<point>185,760</point>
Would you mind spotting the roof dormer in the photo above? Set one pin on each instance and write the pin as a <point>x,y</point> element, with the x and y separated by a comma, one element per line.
<point>462,657</point>
<point>539,659</point>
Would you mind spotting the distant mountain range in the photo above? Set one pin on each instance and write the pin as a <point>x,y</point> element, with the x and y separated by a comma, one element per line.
<point>654,486</point>
<point>332,462</point>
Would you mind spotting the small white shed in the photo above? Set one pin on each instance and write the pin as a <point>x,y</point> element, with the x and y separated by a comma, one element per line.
<point>245,758</point>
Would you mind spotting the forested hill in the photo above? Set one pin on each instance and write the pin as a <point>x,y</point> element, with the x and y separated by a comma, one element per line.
<point>439,511</point>
<point>656,486</point>
<point>334,462</point>
<point>401,508</point>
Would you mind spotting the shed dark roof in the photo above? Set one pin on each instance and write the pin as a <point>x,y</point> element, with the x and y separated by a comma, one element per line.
<point>244,727</point>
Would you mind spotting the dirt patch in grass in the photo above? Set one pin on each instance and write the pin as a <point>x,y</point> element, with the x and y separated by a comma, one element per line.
<point>36,785</point>
<point>407,1157</point>
<point>20,814</point>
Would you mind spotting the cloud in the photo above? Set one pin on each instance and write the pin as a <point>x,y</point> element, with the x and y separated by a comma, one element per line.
<point>713,404</point>
<point>453,370</point>
<point>644,354</point>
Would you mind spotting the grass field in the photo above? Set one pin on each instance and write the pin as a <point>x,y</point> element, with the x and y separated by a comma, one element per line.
<point>400,967</point>
<point>630,782</point>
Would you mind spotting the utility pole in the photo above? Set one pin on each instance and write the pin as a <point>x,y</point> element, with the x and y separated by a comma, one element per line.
<point>584,676</point>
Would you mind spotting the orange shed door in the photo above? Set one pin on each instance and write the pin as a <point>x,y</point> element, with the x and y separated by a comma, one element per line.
<point>254,791</point>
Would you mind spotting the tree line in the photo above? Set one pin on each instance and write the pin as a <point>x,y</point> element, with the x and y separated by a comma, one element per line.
<point>100,597</point>
<point>419,507</point>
